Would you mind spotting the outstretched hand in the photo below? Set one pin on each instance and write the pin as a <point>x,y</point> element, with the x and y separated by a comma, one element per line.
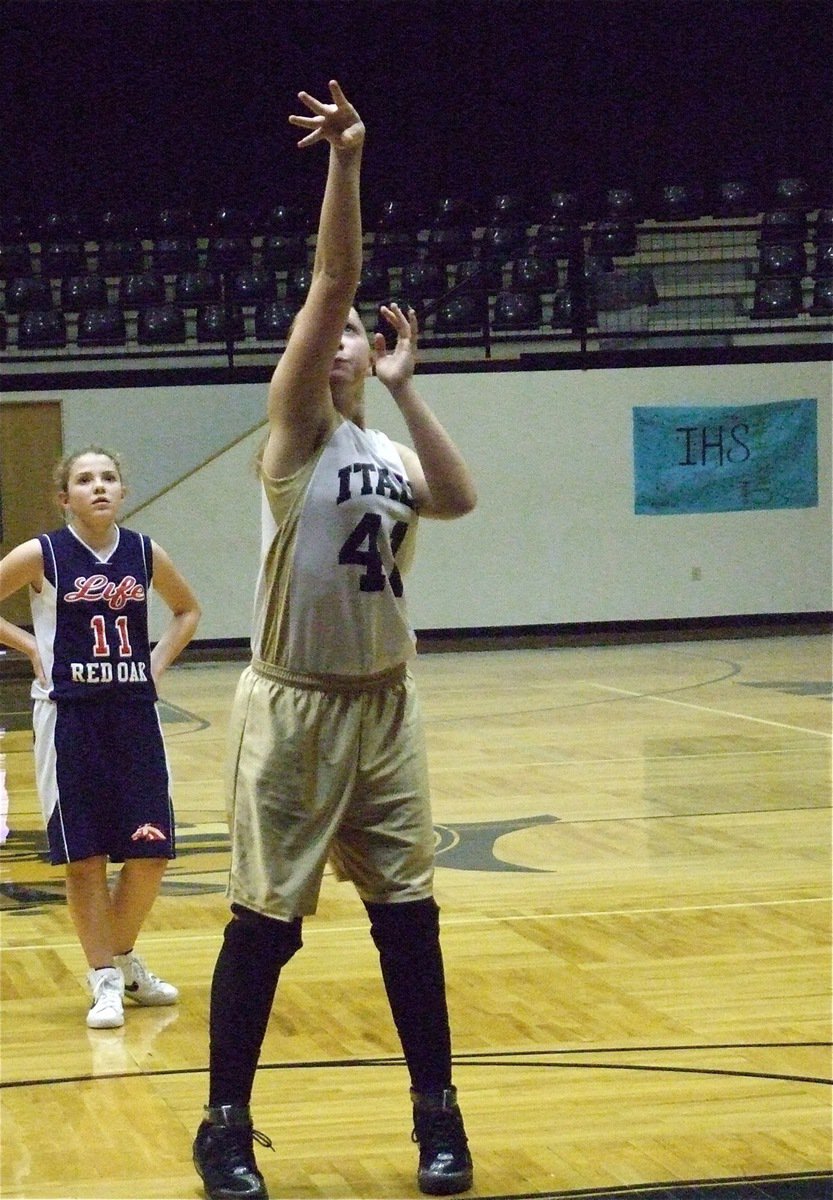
<point>395,367</point>
<point>337,123</point>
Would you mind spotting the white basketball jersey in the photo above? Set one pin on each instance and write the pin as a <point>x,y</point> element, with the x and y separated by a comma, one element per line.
<point>337,538</point>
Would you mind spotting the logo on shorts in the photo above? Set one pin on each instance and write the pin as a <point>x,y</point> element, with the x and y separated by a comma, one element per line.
<point>148,833</point>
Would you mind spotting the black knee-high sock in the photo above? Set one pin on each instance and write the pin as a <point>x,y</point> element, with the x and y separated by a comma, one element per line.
<point>254,950</point>
<point>407,937</point>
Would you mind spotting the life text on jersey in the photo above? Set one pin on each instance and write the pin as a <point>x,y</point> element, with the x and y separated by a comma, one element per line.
<point>93,589</point>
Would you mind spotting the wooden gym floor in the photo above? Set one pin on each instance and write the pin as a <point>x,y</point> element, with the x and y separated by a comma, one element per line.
<point>634,871</point>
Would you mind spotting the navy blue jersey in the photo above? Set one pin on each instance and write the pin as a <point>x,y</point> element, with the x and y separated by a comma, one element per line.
<point>91,618</point>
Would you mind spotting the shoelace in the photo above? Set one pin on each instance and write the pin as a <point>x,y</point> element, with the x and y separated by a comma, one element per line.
<point>141,974</point>
<point>142,977</point>
<point>262,1140</point>
<point>105,987</point>
<point>238,1148</point>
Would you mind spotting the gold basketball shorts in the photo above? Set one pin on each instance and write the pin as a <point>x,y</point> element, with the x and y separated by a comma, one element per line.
<point>327,771</point>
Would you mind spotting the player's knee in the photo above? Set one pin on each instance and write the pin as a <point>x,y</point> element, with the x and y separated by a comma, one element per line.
<point>274,939</point>
<point>83,870</point>
<point>405,929</point>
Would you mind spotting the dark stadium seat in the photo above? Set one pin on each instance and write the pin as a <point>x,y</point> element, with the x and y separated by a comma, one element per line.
<point>193,288</point>
<point>139,288</point>
<point>42,330</point>
<point>230,221</point>
<point>228,253</point>
<point>83,291</point>
<point>115,225</point>
<point>612,237</point>
<point>120,256</point>
<point>564,207</point>
<point>272,321</point>
<point>61,227</point>
<point>737,198</point>
<point>453,210</point>
<point>500,242</point>
<point>398,212</point>
<point>28,293</point>
<point>621,203</point>
<point>102,327</point>
<point>3,332</point>
<point>161,324</point>
<point>823,260</point>
<point>517,310</point>
<point>792,192</point>
<point>424,280</point>
<point>374,283</point>
<point>286,219</point>
<point>15,260</point>
<point>254,285</point>
<point>478,275</point>
<point>173,221</point>
<point>556,239</point>
<point>216,324</point>
<point>464,312</point>
<point>784,225</point>
<point>777,298</point>
<point>449,243</point>
<point>822,305</point>
<point>283,251</point>
<point>298,280</point>
<point>787,259</point>
<point>681,202</point>
<point>508,208</point>
<point>14,228</point>
<point>174,252</point>
<point>823,231</point>
<point>62,258</point>
<point>535,273</point>
<point>563,309</point>
<point>394,247</point>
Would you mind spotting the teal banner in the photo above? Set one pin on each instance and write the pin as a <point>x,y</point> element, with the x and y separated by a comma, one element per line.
<point>716,458</point>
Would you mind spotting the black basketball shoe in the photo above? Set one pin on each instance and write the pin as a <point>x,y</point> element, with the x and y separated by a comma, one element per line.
<point>445,1165</point>
<point>224,1154</point>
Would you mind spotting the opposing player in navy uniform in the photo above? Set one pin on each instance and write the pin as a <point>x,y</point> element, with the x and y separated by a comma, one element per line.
<point>100,762</point>
<point>327,761</point>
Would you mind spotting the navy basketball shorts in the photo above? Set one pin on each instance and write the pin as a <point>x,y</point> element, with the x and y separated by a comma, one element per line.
<point>103,780</point>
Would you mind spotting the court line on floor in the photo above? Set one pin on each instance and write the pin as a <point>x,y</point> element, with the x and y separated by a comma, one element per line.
<point>719,712</point>
<point>450,922</point>
<point>501,1059</point>
<point>636,759</point>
